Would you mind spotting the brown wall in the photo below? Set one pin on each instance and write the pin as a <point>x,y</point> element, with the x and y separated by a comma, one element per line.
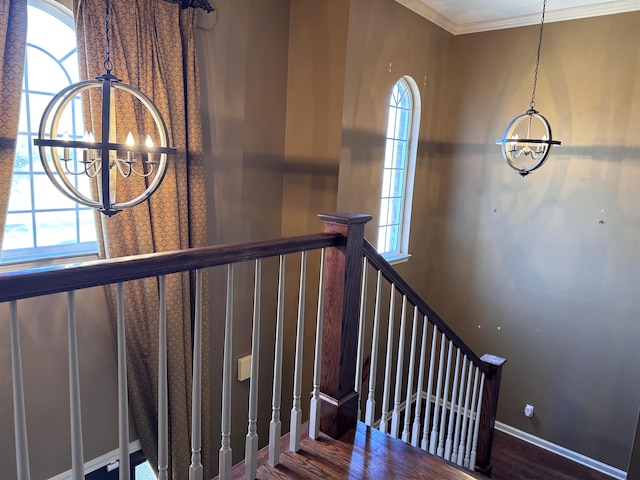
<point>543,270</point>
<point>521,268</point>
<point>45,366</point>
<point>387,41</point>
<point>317,58</point>
<point>243,56</point>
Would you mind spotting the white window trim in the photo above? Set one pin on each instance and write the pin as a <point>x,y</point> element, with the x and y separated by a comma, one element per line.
<point>10,261</point>
<point>403,254</point>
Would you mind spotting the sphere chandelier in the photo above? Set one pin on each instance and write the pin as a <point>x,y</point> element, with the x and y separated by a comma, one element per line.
<point>104,156</point>
<point>527,140</point>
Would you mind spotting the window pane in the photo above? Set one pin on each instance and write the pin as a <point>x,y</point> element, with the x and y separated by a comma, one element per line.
<point>55,228</point>
<point>388,154</point>
<point>402,125</point>
<point>395,205</point>
<point>42,28</point>
<point>393,120</point>
<point>405,99</point>
<point>398,183</point>
<point>87,226</point>
<point>37,105</point>
<point>20,196</point>
<point>399,154</point>
<point>393,239</point>
<point>83,185</point>
<point>22,162</point>
<point>45,73</point>
<point>47,196</point>
<point>18,232</point>
<point>382,239</point>
<point>384,212</point>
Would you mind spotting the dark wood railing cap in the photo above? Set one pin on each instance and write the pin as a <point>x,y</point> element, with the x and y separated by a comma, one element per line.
<point>493,360</point>
<point>346,218</point>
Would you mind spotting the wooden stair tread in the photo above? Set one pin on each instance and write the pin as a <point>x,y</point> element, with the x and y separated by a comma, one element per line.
<point>362,453</point>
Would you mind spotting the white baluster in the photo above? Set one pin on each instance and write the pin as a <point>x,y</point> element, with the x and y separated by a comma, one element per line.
<point>314,415</point>
<point>196,469</point>
<point>360,353</point>
<point>296,411</point>
<point>395,418</point>
<point>19,414</point>
<point>467,450</point>
<point>251,443</point>
<point>472,462</point>
<point>452,410</point>
<point>163,402</point>
<point>406,433</point>
<point>436,407</point>
<point>465,418</point>
<point>415,434</point>
<point>445,398</point>
<point>225,453</point>
<point>77,457</point>
<point>387,369</point>
<point>123,395</point>
<point>275,426</point>
<point>424,444</point>
<point>456,437</point>
<point>370,412</point>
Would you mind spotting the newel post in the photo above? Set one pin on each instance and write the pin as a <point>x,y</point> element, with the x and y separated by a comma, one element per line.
<point>490,394</point>
<point>342,276</point>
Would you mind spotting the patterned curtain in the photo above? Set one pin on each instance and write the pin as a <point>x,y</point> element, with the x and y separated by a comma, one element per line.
<point>13,35</point>
<point>152,47</point>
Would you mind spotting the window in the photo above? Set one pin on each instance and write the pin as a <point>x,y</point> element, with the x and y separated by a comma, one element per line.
<point>140,469</point>
<point>41,221</point>
<point>399,167</point>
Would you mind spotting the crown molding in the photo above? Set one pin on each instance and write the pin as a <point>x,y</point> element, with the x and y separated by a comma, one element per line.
<point>608,8</point>
<point>422,9</point>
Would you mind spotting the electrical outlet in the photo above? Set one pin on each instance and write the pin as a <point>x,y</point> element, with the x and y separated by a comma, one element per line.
<point>528,411</point>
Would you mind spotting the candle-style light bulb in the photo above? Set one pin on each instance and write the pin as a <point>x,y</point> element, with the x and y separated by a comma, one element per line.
<point>514,144</point>
<point>149,144</point>
<point>129,143</point>
<point>90,138</point>
<point>65,138</point>
<point>542,146</point>
<point>85,153</point>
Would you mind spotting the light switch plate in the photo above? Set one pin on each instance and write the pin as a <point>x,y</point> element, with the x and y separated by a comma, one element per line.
<point>244,368</point>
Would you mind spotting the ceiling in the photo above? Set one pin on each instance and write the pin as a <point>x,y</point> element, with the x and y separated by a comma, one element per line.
<point>468,16</point>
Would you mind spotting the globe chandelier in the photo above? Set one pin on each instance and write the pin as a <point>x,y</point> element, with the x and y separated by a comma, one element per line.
<point>109,156</point>
<point>527,140</point>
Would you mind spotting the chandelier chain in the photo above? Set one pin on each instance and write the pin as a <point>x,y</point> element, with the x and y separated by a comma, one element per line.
<point>535,75</point>
<point>108,66</point>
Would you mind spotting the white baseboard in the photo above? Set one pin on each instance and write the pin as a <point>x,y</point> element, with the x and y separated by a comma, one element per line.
<point>99,462</point>
<point>563,452</point>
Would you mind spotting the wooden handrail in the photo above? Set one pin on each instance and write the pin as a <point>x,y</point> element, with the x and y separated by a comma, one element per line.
<point>404,288</point>
<point>15,285</point>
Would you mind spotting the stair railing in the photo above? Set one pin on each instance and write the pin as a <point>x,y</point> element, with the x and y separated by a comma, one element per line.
<point>444,396</point>
<point>459,412</point>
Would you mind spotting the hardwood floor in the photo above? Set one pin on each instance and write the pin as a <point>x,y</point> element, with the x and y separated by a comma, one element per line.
<point>365,453</point>
<point>369,454</point>
<point>515,459</point>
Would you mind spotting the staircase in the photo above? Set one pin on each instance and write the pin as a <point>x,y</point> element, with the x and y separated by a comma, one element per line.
<point>424,388</point>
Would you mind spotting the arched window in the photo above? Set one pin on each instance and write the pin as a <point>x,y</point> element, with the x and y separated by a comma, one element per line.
<point>41,222</point>
<point>399,168</point>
